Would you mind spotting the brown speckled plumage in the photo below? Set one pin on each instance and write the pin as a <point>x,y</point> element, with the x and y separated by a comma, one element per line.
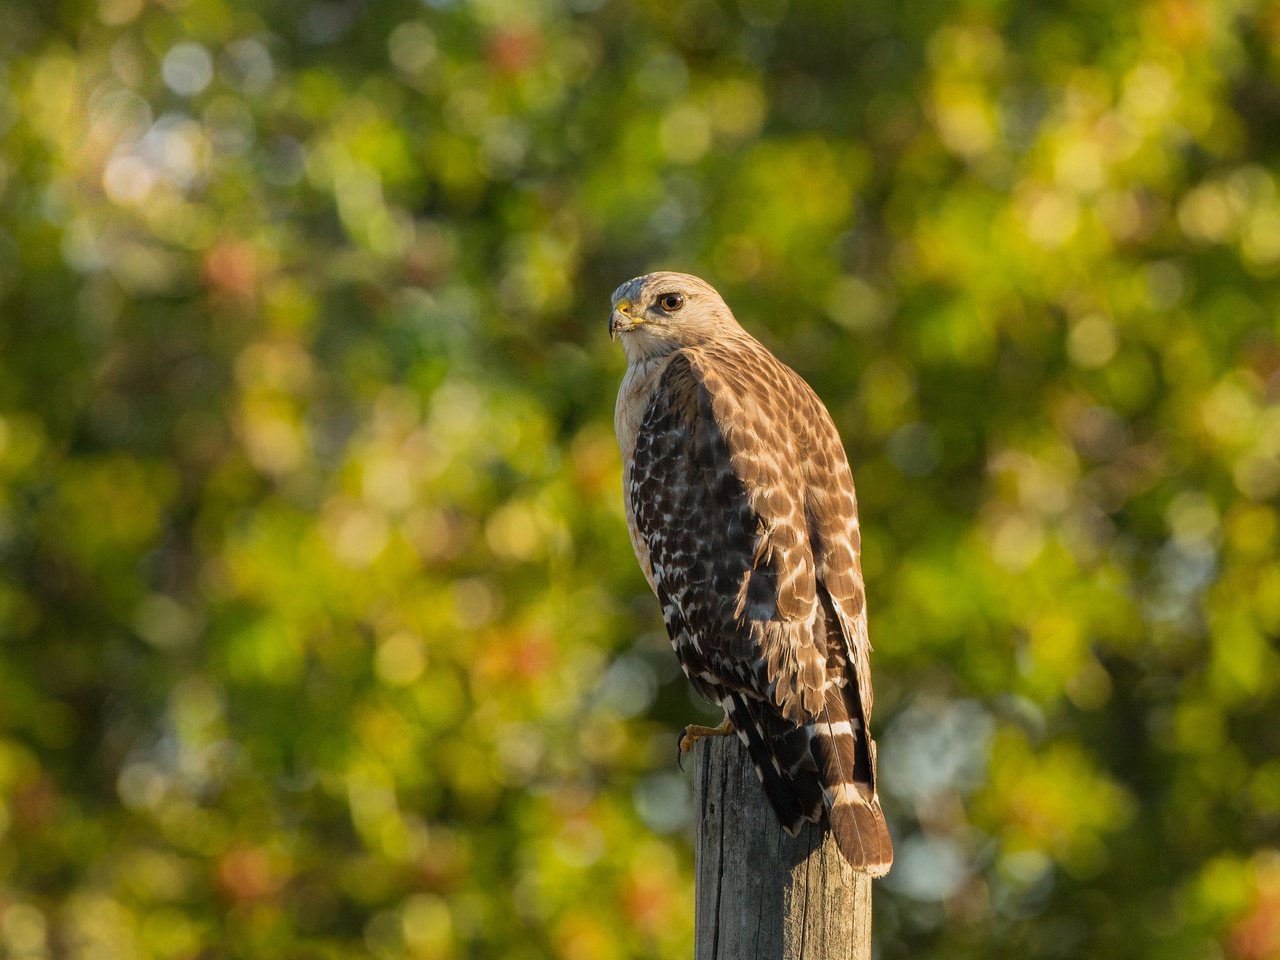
<point>741,508</point>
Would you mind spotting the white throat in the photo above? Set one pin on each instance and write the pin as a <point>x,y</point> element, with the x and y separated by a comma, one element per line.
<point>640,344</point>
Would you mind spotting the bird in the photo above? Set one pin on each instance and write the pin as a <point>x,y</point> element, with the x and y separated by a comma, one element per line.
<point>740,504</point>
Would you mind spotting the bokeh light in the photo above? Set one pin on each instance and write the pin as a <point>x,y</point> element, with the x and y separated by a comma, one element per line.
<point>320,632</point>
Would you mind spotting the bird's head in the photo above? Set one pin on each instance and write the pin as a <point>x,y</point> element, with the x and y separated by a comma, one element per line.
<point>661,312</point>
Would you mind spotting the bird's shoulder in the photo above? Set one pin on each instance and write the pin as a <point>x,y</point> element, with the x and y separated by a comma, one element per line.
<point>751,417</point>
<point>750,397</point>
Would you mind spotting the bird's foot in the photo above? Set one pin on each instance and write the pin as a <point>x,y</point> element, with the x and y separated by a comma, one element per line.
<point>695,732</point>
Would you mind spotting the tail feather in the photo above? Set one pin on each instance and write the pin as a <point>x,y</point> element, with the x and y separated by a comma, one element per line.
<point>861,833</point>
<point>846,765</point>
<point>824,764</point>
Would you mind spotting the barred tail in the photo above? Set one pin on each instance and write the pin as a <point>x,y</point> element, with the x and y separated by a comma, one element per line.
<point>861,833</point>
<point>823,764</point>
<point>846,764</point>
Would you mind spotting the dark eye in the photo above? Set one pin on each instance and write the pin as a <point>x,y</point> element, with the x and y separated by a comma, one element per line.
<point>671,302</point>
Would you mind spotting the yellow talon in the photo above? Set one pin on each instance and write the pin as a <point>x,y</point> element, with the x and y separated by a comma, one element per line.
<point>695,732</point>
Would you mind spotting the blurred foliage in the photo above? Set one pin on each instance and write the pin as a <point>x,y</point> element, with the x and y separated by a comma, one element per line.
<point>320,634</point>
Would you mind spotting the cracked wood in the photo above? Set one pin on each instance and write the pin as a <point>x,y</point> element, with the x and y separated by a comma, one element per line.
<point>762,895</point>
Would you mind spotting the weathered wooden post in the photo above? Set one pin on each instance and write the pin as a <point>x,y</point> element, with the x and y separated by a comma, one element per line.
<point>762,895</point>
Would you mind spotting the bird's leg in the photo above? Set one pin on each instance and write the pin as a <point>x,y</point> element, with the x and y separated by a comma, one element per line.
<point>695,732</point>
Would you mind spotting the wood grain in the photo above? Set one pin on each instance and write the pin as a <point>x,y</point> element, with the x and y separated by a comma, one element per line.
<point>762,895</point>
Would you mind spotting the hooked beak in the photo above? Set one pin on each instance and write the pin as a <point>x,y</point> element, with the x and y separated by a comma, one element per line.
<point>620,321</point>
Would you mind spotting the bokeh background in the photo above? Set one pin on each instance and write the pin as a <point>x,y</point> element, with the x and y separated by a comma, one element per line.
<point>320,633</point>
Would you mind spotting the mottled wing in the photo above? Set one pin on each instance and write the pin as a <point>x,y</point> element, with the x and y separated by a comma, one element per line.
<point>740,554</point>
<point>834,535</point>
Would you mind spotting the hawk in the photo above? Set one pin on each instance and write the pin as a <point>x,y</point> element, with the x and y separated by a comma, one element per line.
<point>740,504</point>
